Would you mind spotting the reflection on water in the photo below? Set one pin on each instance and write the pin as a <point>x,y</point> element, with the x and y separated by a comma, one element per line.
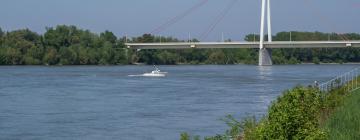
<point>93,102</point>
<point>265,72</point>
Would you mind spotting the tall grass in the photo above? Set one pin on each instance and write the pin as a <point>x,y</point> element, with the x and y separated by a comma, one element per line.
<point>344,123</point>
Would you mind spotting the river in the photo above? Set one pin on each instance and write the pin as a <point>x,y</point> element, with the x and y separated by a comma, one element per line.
<point>103,102</point>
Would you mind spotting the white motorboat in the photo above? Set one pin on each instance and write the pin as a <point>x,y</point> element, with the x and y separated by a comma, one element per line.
<point>154,73</point>
<point>159,71</point>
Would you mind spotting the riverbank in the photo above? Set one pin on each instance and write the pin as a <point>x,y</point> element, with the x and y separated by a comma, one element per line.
<point>301,113</point>
<point>181,64</point>
<point>344,124</point>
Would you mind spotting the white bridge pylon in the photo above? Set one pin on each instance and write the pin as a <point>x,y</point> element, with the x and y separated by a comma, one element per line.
<point>264,54</point>
<point>265,4</point>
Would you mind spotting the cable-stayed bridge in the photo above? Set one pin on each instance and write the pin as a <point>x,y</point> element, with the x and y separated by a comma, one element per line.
<point>264,54</point>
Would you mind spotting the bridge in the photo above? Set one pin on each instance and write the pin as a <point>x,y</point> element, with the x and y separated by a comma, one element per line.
<point>262,45</point>
<point>227,45</point>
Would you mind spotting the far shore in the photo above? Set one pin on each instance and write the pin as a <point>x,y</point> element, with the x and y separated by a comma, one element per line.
<point>143,64</point>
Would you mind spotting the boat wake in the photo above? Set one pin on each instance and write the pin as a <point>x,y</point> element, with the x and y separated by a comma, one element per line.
<point>140,75</point>
<point>154,73</point>
<point>147,75</point>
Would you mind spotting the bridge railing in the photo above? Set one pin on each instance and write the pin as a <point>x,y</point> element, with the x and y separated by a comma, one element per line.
<point>349,80</point>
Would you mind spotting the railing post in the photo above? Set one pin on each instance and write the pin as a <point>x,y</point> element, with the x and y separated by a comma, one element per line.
<point>348,83</point>
<point>356,78</point>
<point>345,81</point>
<point>348,79</point>
<point>353,82</point>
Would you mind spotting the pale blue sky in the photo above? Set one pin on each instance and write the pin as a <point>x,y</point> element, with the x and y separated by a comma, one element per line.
<point>135,17</point>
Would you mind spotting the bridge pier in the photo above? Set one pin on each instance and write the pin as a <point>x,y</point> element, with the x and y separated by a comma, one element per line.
<point>265,57</point>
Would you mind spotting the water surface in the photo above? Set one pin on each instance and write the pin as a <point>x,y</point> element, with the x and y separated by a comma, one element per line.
<point>103,102</point>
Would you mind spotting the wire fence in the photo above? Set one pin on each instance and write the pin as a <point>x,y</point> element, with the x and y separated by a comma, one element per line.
<point>350,82</point>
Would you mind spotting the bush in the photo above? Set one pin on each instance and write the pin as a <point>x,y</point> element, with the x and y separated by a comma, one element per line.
<point>316,60</point>
<point>186,136</point>
<point>301,113</point>
<point>293,116</point>
<point>31,61</point>
<point>293,60</point>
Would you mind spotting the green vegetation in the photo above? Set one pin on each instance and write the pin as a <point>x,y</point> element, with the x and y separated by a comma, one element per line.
<point>344,124</point>
<point>69,45</point>
<point>63,45</point>
<point>292,116</point>
<point>302,113</point>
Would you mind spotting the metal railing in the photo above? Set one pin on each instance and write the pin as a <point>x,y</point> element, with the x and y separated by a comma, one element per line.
<point>349,81</point>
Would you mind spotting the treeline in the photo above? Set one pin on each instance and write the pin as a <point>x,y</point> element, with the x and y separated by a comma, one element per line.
<point>69,45</point>
<point>315,55</point>
<point>63,45</point>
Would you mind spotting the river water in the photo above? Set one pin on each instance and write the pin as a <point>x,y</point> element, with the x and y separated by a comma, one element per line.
<point>103,102</point>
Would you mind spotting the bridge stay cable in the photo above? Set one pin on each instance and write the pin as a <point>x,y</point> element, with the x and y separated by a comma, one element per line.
<point>218,19</point>
<point>276,44</point>
<point>177,18</point>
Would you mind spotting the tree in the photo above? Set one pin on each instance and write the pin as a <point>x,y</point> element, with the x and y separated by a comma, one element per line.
<point>167,58</point>
<point>13,56</point>
<point>2,56</point>
<point>1,33</point>
<point>61,36</point>
<point>21,39</point>
<point>36,52</point>
<point>68,56</point>
<point>50,57</point>
<point>83,54</point>
<point>217,57</point>
<point>108,36</point>
<point>65,44</point>
<point>106,54</point>
<point>145,38</point>
<point>34,55</point>
<point>121,56</point>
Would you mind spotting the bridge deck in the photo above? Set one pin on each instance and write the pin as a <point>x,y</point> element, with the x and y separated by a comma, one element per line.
<point>274,44</point>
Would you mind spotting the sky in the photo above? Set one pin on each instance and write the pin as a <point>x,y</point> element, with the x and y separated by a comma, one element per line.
<point>136,17</point>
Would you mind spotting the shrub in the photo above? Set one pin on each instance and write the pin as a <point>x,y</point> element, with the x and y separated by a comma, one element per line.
<point>300,113</point>
<point>31,61</point>
<point>293,116</point>
<point>184,136</point>
<point>316,60</point>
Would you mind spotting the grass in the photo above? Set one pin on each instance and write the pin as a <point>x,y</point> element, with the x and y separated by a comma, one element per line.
<point>344,123</point>
<point>301,113</point>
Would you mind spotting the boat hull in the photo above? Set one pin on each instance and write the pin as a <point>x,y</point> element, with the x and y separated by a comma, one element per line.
<point>153,75</point>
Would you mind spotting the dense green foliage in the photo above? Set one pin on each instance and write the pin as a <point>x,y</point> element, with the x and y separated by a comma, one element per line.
<point>63,45</point>
<point>69,45</point>
<point>301,113</point>
<point>293,116</point>
<point>316,55</point>
<point>344,124</point>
